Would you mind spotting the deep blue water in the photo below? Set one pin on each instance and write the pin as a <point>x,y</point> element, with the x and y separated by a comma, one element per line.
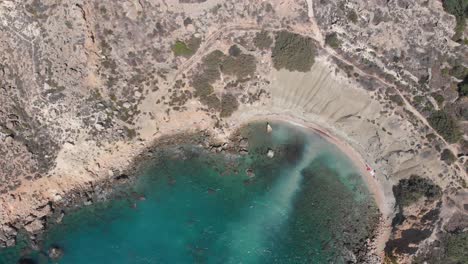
<point>307,204</point>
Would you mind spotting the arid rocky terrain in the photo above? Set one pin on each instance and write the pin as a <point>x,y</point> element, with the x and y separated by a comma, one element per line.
<point>87,85</point>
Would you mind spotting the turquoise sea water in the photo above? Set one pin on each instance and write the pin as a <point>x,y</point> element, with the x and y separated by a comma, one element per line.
<point>307,204</point>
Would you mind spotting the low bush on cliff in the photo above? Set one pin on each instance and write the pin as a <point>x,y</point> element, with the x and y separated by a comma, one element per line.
<point>408,191</point>
<point>458,8</point>
<point>458,71</point>
<point>463,87</point>
<point>448,156</point>
<point>332,40</point>
<point>452,248</point>
<point>457,248</point>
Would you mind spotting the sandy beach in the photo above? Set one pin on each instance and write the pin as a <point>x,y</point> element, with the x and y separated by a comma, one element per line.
<point>317,100</point>
<point>373,183</point>
<point>24,205</point>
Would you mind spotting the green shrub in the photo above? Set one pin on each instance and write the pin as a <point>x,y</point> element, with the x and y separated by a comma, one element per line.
<point>332,40</point>
<point>180,48</point>
<point>293,52</point>
<point>457,248</point>
<point>447,156</point>
<point>463,87</point>
<point>262,40</point>
<point>445,125</point>
<point>397,99</point>
<point>202,82</point>
<point>439,98</point>
<point>202,86</point>
<point>352,16</point>
<point>229,105</point>
<point>458,8</point>
<point>234,51</point>
<point>463,112</point>
<point>213,60</point>
<point>418,99</point>
<point>408,191</point>
<point>445,71</point>
<point>242,66</point>
<point>459,29</point>
<point>239,65</point>
<point>459,71</point>
<point>212,101</point>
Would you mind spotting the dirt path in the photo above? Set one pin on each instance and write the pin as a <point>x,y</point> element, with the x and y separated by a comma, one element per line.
<point>207,44</point>
<point>213,37</point>
<point>407,104</point>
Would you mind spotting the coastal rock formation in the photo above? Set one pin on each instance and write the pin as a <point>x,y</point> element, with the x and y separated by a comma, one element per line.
<point>87,86</point>
<point>55,253</point>
<point>270,153</point>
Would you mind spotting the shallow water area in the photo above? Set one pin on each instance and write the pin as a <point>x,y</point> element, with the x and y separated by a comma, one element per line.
<point>306,204</point>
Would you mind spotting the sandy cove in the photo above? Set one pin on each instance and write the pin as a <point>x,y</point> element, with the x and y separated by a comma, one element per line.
<point>21,205</point>
<point>375,186</point>
<point>345,114</point>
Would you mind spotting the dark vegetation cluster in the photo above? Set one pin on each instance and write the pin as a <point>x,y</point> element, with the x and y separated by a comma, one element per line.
<point>458,8</point>
<point>445,125</point>
<point>352,16</point>
<point>448,156</point>
<point>452,248</point>
<point>229,105</point>
<point>186,48</point>
<point>445,120</point>
<point>408,191</point>
<point>456,248</point>
<point>460,72</point>
<point>406,244</point>
<point>463,87</point>
<point>397,99</point>
<point>332,40</point>
<point>236,64</point>
<point>439,99</point>
<point>262,40</point>
<point>202,83</point>
<point>293,52</point>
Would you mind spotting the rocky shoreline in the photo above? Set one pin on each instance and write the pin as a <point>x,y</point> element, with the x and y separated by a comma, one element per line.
<point>51,213</point>
<point>114,187</point>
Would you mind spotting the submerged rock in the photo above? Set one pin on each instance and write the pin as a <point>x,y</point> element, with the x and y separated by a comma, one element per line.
<point>55,253</point>
<point>35,226</point>
<point>250,173</point>
<point>269,128</point>
<point>243,146</point>
<point>26,261</point>
<point>270,153</point>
